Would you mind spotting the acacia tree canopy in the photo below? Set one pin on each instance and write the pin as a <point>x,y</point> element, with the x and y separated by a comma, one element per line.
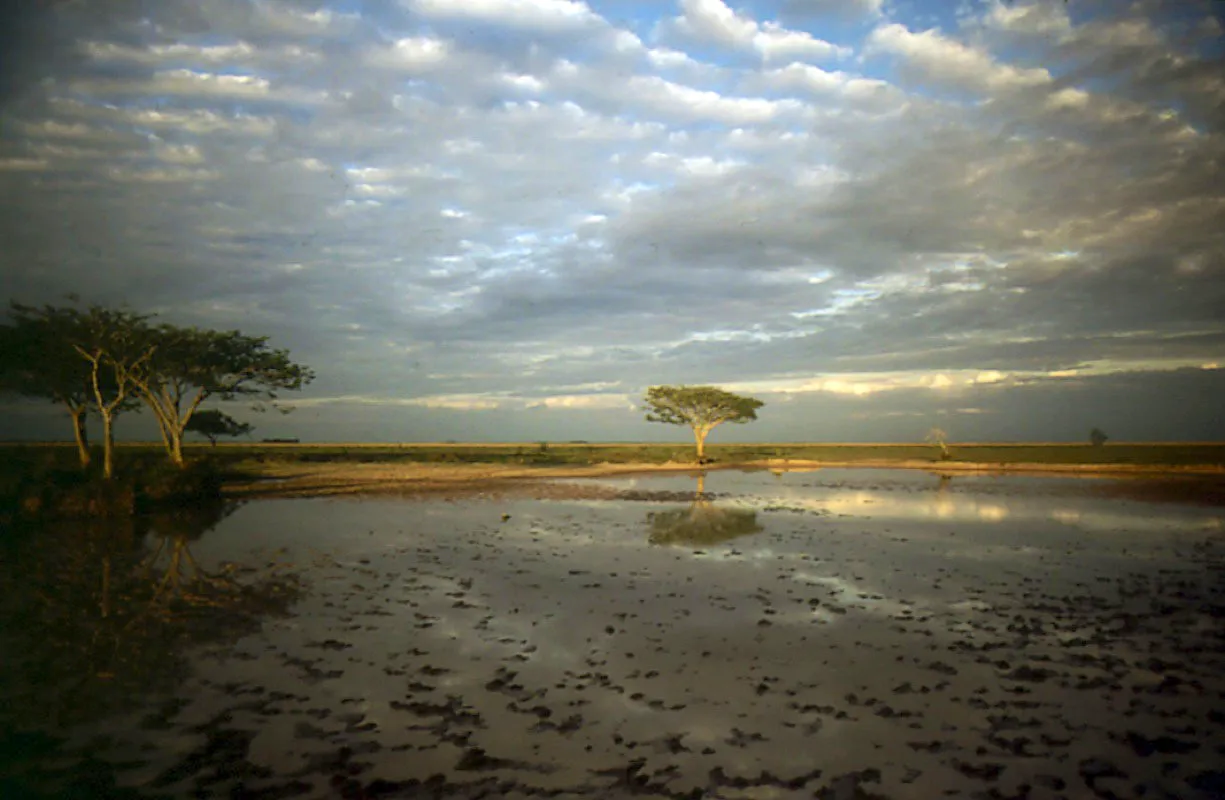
<point>191,365</point>
<point>107,361</point>
<point>82,358</point>
<point>37,359</point>
<point>702,408</point>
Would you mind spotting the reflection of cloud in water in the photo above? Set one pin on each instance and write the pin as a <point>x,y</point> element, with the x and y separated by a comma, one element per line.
<point>1151,520</point>
<point>895,505</point>
<point>849,593</point>
<point>1067,516</point>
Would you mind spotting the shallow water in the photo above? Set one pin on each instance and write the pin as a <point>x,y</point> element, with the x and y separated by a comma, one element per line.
<point>840,633</point>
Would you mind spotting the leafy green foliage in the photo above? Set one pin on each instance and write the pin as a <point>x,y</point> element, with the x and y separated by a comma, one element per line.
<point>212,424</point>
<point>191,365</point>
<point>700,407</point>
<point>82,358</point>
<point>107,360</point>
<point>36,355</point>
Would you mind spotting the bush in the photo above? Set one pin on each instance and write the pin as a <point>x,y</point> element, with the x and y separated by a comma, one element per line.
<point>43,491</point>
<point>198,482</point>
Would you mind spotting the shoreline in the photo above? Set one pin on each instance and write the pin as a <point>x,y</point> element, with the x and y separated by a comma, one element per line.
<point>340,478</point>
<point>986,467</point>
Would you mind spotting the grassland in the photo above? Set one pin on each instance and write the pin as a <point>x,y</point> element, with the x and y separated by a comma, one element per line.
<point>1173,455</point>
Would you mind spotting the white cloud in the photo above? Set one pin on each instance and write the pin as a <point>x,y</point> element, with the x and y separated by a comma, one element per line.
<point>224,55</point>
<point>188,82</point>
<point>776,42</point>
<point>1041,18</point>
<point>807,76</point>
<point>543,15</point>
<point>285,18</point>
<point>413,53</point>
<point>161,175</point>
<point>521,201</point>
<point>177,153</point>
<point>194,121</point>
<point>23,164</point>
<point>673,99</point>
<point>943,60</point>
<point>666,58</point>
<point>713,20</point>
<point>524,83</point>
<point>589,402</point>
<point>196,83</point>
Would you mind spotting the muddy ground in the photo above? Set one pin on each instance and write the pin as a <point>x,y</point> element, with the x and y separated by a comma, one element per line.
<point>842,634</point>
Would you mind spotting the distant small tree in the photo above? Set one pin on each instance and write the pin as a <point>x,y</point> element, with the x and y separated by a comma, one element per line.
<point>937,436</point>
<point>702,408</point>
<point>1097,437</point>
<point>212,424</point>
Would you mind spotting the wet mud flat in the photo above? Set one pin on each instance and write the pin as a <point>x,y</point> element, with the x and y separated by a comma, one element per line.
<point>832,635</point>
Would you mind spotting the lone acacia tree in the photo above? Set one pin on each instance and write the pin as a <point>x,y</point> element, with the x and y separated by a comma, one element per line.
<point>702,408</point>
<point>191,365</point>
<point>212,424</point>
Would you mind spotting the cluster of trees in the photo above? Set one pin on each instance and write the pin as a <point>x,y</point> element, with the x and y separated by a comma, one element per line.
<point>106,362</point>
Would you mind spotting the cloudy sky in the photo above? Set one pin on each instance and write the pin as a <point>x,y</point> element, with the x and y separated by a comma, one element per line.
<point>504,219</point>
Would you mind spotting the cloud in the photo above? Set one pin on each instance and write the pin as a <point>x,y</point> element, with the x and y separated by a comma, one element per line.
<point>933,57</point>
<point>669,99</point>
<point>544,15</point>
<point>412,53</point>
<point>713,20</point>
<point>536,210</point>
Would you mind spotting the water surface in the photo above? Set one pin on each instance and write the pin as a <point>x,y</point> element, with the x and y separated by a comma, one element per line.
<point>800,635</point>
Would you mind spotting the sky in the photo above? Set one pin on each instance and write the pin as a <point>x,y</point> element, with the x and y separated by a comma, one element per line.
<point>503,220</point>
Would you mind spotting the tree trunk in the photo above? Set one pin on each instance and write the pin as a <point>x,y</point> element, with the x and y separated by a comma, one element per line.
<point>108,446</point>
<point>176,446</point>
<point>699,436</point>
<point>79,433</point>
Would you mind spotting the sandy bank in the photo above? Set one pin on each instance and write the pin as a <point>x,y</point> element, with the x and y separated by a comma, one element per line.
<point>314,480</point>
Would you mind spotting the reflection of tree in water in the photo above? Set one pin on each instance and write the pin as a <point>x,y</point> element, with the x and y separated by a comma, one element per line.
<point>703,523</point>
<point>92,621</point>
